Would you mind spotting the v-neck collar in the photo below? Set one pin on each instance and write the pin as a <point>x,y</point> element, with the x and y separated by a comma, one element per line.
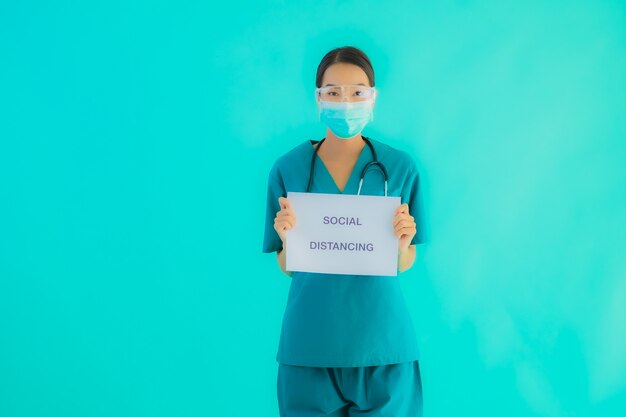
<point>358,167</point>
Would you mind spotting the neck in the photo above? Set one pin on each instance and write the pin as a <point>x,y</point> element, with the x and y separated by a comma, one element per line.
<point>341,148</point>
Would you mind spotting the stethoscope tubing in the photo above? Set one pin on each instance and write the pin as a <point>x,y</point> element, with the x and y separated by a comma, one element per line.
<point>374,163</point>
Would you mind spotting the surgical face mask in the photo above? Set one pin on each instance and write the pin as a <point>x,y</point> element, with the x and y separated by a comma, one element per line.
<point>346,118</point>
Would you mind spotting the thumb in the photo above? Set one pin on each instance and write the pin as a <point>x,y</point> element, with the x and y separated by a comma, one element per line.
<point>284,203</point>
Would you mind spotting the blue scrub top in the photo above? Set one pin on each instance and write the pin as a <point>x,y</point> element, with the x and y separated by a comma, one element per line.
<point>337,320</point>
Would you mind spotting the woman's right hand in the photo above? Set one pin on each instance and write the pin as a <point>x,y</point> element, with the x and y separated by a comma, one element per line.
<point>285,218</point>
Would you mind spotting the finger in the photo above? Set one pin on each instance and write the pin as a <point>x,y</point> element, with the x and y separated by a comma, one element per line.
<point>404,223</point>
<point>290,220</point>
<point>281,215</point>
<point>409,231</point>
<point>401,217</point>
<point>402,208</point>
<point>405,230</point>
<point>285,212</point>
<point>283,226</point>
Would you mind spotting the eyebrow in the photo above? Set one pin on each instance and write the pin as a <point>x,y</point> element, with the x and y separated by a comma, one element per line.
<point>331,85</point>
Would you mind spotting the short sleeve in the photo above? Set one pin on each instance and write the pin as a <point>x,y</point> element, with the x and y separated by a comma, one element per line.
<point>275,189</point>
<point>412,194</point>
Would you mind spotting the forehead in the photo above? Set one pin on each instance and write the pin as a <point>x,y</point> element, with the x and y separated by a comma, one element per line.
<point>343,73</point>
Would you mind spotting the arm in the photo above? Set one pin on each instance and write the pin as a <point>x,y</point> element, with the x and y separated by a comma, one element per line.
<point>406,258</point>
<point>281,257</point>
<point>285,220</point>
<point>404,228</point>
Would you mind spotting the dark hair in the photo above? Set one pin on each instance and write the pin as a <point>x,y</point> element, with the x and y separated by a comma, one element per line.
<point>349,55</point>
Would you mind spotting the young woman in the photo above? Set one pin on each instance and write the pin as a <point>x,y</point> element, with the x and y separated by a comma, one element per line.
<point>347,344</point>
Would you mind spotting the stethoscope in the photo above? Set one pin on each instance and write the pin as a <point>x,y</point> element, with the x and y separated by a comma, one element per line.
<point>374,163</point>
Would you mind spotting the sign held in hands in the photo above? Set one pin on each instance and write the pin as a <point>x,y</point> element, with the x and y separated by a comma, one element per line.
<point>342,234</point>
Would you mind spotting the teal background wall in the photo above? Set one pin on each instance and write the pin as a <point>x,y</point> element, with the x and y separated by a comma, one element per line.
<point>135,143</point>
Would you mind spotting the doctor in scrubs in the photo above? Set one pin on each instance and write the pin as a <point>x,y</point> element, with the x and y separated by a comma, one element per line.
<point>347,345</point>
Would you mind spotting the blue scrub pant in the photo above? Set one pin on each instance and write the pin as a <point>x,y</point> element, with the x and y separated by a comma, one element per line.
<point>393,390</point>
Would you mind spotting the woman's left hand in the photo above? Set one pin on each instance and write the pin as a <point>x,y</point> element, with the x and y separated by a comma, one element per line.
<point>403,226</point>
